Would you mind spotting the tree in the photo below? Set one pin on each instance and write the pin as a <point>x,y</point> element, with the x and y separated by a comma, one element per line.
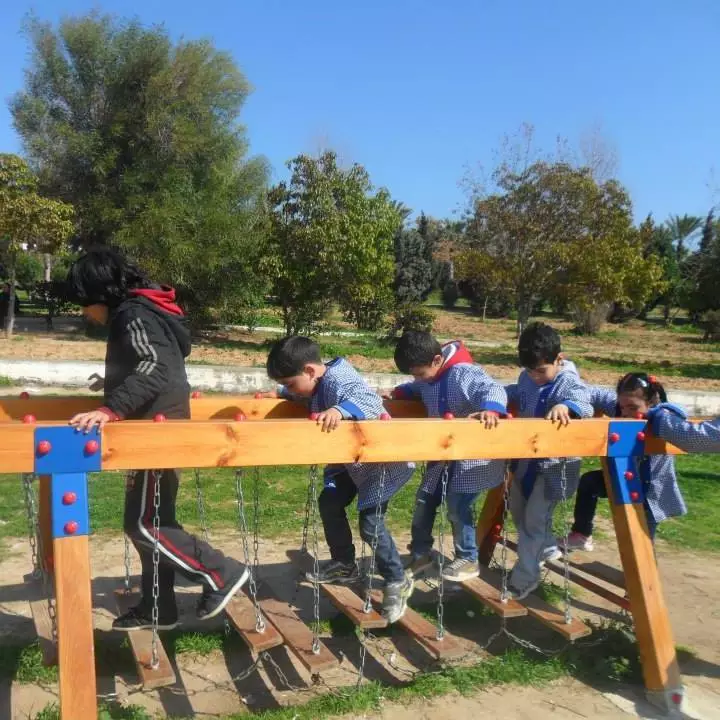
<point>142,136</point>
<point>703,272</point>
<point>553,231</point>
<point>28,222</point>
<point>330,241</point>
<point>414,267</point>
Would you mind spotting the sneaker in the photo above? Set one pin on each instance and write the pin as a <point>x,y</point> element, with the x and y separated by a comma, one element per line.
<point>576,541</point>
<point>395,599</point>
<point>213,602</point>
<point>336,572</point>
<point>140,618</point>
<point>522,593</point>
<point>418,564</point>
<point>551,554</point>
<point>461,569</point>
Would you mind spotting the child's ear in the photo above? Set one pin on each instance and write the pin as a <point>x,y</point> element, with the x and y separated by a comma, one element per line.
<point>310,371</point>
<point>437,361</point>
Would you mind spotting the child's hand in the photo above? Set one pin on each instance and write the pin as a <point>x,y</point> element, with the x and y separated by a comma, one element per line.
<point>87,421</point>
<point>97,382</point>
<point>387,395</point>
<point>329,419</point>
<point>488,417</point>
<point>560,413</point>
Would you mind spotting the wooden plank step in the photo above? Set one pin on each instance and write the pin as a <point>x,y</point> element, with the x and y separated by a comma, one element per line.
<point>488,593</point>
<point>141,646</point>
<point>42,621</point>
<point>298,637</point>
<point>351,604</point>
<point>600,570</point>
<point>241,614</point>
<point>425,632</point>
<point>555,619</point>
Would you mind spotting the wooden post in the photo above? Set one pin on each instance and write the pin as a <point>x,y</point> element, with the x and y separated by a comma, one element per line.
<point>661,672</point>
<point>490,523</point>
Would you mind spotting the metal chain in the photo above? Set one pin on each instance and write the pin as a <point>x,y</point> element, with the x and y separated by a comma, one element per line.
<point>201,506</point>
<point>504,547</point>
<point>255,574</point>
<point>242,524</point>
<point>316,558</point>
<point>306,523</point>
<point>32,521</point>
<point>371,572</point>
<point>154,658</point>
<point>566,532</point>
<point>440,634</point>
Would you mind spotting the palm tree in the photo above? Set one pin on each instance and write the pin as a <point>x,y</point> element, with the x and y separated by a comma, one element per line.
<point>682,228</point>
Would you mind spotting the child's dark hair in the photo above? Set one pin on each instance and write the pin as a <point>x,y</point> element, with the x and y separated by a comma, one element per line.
<point>652,390</point>
<point>103,276</point>
<point>289,356</point>
<point>539,344</point>
<point>416,348</point>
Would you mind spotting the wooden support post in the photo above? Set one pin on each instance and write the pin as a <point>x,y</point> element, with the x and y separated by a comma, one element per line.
<point>661,672</point>
<point>490,523</point>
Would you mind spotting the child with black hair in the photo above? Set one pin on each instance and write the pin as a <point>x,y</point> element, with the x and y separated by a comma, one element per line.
<point>447,381</point>
<point>336,391</point>
<point>635,396</point>
<point>548,387</point>
<point>147,344</point>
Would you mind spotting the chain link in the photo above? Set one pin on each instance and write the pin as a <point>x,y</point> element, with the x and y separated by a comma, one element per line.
<point>566,532</point>
<point>504,547</point>
<point>440,634</point>
<point>201,506</point>
<point>306,523</point>
<point>314,477</point>
<point>154,658</point>
<point>32,521</point>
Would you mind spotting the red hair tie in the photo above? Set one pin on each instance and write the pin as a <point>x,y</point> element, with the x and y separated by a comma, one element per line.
<point>652,379</point>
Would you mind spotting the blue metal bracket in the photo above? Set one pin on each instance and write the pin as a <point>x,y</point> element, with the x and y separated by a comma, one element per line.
<point>65,450</point>
<point>69,505</point>
<point>626,444</point>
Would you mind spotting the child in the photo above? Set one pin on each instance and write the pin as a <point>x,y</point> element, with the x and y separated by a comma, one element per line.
<point>336,391</point>
<point>147,344</point>
<point>636,394</point>
<point>672,426</point>
<point>447,381</point>
<point>549,387</point>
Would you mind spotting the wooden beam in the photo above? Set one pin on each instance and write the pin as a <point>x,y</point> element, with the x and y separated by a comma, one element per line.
<point>47,408</point>
<point>488,592</point>
<point>241,613</point>
<point>185,443</point>
<point>17,449</point>
<point>647,603</point>
<point>600,570</point>
<point>141,646</point>
<point>76,651</point>
<point>353,606</point>
<point>555,619</point>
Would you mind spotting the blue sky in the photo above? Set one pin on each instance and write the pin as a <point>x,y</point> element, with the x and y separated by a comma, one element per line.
<point>417,91</point>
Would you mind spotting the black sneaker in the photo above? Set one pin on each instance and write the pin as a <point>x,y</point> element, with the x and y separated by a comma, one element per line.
<point>140,618</point>
<point>336,572</point>
<point>213,602</point>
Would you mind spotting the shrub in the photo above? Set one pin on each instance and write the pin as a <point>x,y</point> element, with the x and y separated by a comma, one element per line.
<point>711,324</point>
<point>410,316</point>
<point>450,294</point>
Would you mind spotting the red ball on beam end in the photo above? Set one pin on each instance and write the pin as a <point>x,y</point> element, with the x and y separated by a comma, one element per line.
<point>385,416</point>
<point>641,436</point>
<point>29,419</point>
<point>195,394</point>
<point>44,447</point>
<point>71,527</point>
<point>159,418</point>
<point>258,396</point>
<point>24,395</point>
<point>448,416</point>
<point>614,437</point>
<point>629,475</point>
<point>313,416</point>
<point>640,416</point>
<point>240,417</point>
<point>634,496</point>
<point>91,447</point>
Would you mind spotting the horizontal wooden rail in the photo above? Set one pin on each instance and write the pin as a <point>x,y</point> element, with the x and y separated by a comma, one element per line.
<point>191,443</point>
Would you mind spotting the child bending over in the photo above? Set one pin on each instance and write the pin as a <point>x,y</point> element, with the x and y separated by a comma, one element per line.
<point>548,387</point>
<point>447,381</point>
<point>636,393</point>
<point>147,344</point>
<point>336,391</point>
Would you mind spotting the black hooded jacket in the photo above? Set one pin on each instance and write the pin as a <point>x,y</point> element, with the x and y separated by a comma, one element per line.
<point>148,342</point>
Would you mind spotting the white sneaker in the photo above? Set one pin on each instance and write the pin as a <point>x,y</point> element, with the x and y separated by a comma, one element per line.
<point>550,555</point>
<point>576,541</point>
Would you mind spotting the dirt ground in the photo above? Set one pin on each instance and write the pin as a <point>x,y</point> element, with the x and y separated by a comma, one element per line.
<point>206,689</point>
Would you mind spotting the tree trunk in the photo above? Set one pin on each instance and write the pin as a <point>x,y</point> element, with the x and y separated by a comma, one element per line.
<point>10,318</point>
<point>48,267</point>
<point>485,308</point>
<point>524,311</point>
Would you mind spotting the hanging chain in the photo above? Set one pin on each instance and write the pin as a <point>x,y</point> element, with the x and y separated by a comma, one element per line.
<point>155,659</point>
<point>242,524</point>
<point>566,531</point>
<point>201,506</point>
<point>259,621</point>
<point>440,634</point>
<point>316,558</point>
<point>504,548</point>
<point>306,522</point>
<point>32,521</point>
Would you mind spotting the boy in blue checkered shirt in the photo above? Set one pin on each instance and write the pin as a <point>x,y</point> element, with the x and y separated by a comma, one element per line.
<point>448,382</point>
<point>337,392</point>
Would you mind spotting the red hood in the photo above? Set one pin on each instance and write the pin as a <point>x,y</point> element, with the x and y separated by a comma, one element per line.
<point>453,354</point>
<point>164,298</point>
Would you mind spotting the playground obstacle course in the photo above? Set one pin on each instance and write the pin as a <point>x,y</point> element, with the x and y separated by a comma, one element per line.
<point>271,432</point>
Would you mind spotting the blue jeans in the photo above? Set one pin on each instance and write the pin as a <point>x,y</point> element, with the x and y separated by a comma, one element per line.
<point>460,514</point>
<point>333,501</point>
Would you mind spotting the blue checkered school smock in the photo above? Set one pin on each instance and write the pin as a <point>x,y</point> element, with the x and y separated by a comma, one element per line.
<point>463,389</point>
<point>536,401</point>
<point>662,493</point>
<point>701,437</point>
<point>343,388</point>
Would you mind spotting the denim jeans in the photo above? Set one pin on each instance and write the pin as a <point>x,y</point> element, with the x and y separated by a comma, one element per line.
<point>460,514</point>
<point>333,501</point>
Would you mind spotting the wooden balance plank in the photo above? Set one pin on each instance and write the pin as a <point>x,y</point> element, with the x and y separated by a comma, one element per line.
<point>351,604</point>
<point>609,595</point>
<point>489,592</point>
<point>241,613</point>
<point>141,646</point>
<point>555,619</point>
<point>602,572</point>
<point>298,637</point>
<point>41,618</point>
<point>425,632</point>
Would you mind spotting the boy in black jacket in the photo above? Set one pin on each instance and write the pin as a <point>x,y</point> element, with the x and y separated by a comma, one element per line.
<point>148,342</point>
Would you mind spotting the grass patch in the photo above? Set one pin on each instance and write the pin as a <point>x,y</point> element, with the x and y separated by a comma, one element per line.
<point>23,663</point>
